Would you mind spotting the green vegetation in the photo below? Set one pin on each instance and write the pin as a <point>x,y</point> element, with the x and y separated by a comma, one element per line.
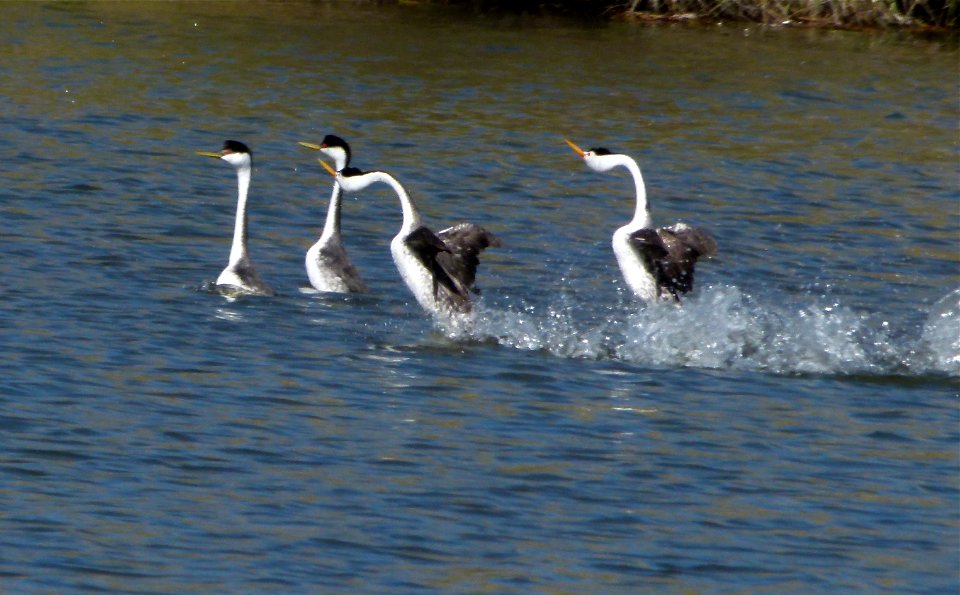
<point>925,14</point>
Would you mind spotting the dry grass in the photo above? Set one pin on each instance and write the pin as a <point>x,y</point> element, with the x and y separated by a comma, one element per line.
<point>833,13</point>
<point>940,14</point>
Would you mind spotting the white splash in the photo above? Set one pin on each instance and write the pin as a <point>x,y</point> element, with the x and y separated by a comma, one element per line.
<point>941,334</point>
<point>722,328</point>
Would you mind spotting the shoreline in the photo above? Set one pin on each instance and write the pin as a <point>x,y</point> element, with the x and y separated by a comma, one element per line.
<point>919,16</point>
<point>797,22</point>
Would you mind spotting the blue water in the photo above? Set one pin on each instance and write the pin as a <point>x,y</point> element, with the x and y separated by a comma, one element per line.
<point>792,428</point>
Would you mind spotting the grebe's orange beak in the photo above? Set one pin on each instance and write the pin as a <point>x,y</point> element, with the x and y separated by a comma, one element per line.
<point>332,171</point>
<point>579,151</point>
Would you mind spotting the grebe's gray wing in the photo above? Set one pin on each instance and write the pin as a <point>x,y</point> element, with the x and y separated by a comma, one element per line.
<point>684,245</point>
<point>333,257</point>
<point>465,242</point>
<point>428,248</point>
<point>695,238</point>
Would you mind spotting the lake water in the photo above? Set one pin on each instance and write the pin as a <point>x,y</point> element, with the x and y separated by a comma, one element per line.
<point>792,428</point>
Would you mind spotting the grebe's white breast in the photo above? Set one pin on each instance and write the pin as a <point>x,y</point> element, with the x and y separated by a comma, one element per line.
<point>241,277</point>
<point>322,270</point>
<point>432,295</point>
<point>632,266</point>
<point>413,272</point>
<point>230,277</point>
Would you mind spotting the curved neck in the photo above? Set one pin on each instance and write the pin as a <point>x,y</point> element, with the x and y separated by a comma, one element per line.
<point>332,225</point>
<point>238,251</point>
<point>641,217</point>
<point>411,216</point>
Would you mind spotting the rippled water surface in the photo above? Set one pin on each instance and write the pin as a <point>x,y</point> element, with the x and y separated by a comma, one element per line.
<point>793,427</point>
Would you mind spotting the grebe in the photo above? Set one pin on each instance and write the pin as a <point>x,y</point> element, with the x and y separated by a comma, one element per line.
<point>239,276</point>
<point>657,263</point>
<point>439,269</point>
<point>327,264</point>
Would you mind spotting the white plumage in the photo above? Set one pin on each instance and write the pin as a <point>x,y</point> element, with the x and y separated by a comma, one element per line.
<point>327,264</point>
<point>439,269</point>
<point>656,263</point>
<point>239,276</point>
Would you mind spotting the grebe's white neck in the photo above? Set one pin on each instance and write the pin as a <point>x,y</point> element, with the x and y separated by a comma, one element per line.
<point>238,251</point>
<point>604,163</point>
<point>356,183</point>
<point>331,226</point>
<point>338,154</point>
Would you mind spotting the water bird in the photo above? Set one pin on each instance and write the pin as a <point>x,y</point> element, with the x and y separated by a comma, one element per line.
<point>438,268</point>
<point>327,264</point>
<point>239,277</point>
<point>657,263</point>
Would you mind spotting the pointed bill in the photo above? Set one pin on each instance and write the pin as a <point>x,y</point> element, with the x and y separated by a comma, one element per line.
<point>313,146</point>
<point>329,169</point>
<point>209,154</point>
<point>579,151</point>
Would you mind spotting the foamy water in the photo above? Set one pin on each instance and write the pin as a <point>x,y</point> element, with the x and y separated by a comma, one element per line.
<point>721,327</point>
<point>941,334</point>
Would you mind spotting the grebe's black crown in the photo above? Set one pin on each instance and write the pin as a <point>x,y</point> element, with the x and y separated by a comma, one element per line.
<point>332,140</point>
<point>235,146</point>
<point>601,151</point>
